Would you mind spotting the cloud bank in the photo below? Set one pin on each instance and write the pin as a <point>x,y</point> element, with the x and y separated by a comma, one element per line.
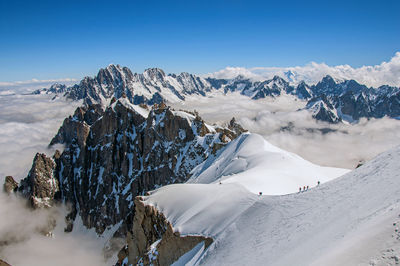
<point>26,246</point>
<point>17,87</point>
<point>386,73</point>
<point>27,124</point>
<point>281,124</point>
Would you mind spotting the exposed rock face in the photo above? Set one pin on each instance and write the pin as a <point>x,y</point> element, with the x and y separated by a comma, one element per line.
<point>55,88</point>
<point>76,127</point>
<point>40,186</point>
<point>3,263</point>
<point>350,101</point>
<point>10,185</point>
<point>153,240</point>
<point>323,110</point>
<point>126,152</point>
<point>153,86</point>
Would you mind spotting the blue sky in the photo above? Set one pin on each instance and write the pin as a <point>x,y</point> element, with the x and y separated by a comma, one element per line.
<point>70,39</point>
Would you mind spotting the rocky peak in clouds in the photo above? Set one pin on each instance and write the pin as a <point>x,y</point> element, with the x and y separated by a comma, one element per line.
<point>56,88</point>
<point>10,185</point>
<point>40,186</point>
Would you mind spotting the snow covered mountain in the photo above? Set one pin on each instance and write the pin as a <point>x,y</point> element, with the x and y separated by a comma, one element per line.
<point>56,88</point>
<point>349,101</point>
<point>350,220</point>
<point>329,100</point>
<point>153,86</point>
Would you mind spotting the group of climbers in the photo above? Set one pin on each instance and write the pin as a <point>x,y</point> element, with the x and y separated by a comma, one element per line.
<point>305,188</point>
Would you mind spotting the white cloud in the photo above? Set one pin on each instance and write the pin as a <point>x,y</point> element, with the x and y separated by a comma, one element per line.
<point>386,73</point>
<point>31,85</point>
<point>26,246</point>
<point>27,124</point>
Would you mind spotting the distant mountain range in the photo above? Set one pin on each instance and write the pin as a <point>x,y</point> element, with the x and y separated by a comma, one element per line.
<point>328,100</point>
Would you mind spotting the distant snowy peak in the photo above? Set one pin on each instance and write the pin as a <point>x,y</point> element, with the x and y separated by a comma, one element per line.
<point>322,109</point>
<point>56,88</point>
<point>150,87</point>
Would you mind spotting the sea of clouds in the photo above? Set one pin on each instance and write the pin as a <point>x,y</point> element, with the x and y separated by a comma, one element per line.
<point>19,226</point>
<point>27,124</point>
<point>27,86</point>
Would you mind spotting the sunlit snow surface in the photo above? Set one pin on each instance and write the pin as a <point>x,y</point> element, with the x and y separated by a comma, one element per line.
<point>327,224</point>
<point>262,167</point>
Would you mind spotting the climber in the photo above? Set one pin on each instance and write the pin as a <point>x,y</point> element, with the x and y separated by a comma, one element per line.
<point>318,183</point>
<point>299,189</point>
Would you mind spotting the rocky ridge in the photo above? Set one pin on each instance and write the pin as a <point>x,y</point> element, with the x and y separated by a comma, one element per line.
<point>153,86</point>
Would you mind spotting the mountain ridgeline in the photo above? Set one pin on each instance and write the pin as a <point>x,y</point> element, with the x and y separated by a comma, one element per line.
<point>328,100</point>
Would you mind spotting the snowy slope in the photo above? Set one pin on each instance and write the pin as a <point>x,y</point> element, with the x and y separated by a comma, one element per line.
<point>262,167</point>
<point>327,225</point>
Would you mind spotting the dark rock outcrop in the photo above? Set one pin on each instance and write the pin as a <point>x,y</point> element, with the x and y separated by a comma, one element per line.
<point>10,185</point>
<point>76,127</point>
<point>40,186</point>
<point>322,109</point>
<point>153,241</point>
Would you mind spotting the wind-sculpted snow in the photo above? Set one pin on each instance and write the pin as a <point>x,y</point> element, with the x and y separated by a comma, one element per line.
<point>261,167</point>
<point>307,228</point>
<point>201,209</point>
